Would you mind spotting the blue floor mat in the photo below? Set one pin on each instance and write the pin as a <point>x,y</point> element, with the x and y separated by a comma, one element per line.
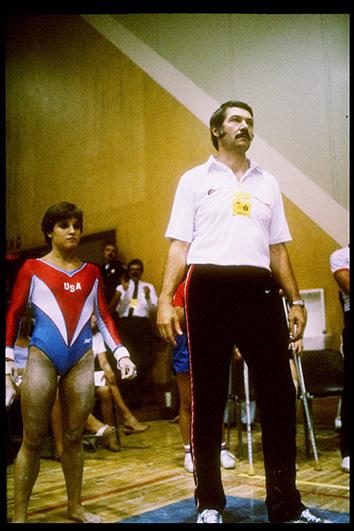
<point>237,510</point>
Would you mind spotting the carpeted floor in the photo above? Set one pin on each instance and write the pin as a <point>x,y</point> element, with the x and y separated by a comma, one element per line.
<point>237,510</point>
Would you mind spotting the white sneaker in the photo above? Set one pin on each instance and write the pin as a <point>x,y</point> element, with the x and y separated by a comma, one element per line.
<point>188,463</point>
<point>306,517</point>
<point>228,460</point>
<point>209,516</point>
<point>346,464</point>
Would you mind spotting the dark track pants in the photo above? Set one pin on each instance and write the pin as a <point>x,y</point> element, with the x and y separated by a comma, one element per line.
<point>345,413</point>
<point>227,306</point>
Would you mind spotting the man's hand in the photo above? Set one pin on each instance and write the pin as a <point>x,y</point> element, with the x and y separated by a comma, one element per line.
<point>297,318</point>
<point>124,363</point>
<point>147,292</point>
<point>296,347</point>
<point>125,283</point>
<point>167,322</point>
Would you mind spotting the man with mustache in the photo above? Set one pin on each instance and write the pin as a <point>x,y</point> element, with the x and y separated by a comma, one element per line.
<point>228,225</point>
<point>111,270</point>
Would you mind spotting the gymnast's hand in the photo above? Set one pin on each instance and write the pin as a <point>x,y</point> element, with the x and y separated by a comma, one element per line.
<point>127,369</point>
<point>125,364</point>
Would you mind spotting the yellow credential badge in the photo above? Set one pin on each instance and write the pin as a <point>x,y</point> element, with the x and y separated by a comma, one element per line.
<point>133,303</point>
<point>241,204</point>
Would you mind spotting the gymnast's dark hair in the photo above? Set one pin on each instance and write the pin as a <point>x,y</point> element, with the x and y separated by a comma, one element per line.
<point>218,117</point>
<point>58,212</point>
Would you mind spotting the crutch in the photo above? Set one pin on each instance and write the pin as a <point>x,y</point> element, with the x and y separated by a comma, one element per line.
<point>248,417</point>
<point>304,396</point>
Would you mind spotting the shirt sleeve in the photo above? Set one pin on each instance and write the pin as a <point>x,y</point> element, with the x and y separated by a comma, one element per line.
<point>279,230</point>
<point>124,301</point>
<point>18,302</point>
<point>181,223</point>
<point>339,260</point>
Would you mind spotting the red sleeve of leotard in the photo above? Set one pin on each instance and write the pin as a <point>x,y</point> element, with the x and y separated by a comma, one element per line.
<point>105,321</point>
<point>18,301</point>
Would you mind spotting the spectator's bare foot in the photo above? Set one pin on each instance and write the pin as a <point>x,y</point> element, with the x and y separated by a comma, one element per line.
<point>81,515</point>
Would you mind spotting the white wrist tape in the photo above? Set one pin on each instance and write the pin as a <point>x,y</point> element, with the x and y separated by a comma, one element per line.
<point>9,353</point>
<point>120,353</point>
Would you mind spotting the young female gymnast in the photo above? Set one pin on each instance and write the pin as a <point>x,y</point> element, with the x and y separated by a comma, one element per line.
<point>63,293</point>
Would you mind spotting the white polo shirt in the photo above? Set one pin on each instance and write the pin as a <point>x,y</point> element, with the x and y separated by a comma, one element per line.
<point>339,260</point>
<point>228,221</point>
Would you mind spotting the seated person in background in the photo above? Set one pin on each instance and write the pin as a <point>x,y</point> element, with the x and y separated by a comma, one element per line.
<point>181,368</point>
<point>111,271</point>
<point>135,302</point>
<point>107,388</point>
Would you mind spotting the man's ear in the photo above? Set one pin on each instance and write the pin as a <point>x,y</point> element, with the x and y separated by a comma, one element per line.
<point>217,131</point>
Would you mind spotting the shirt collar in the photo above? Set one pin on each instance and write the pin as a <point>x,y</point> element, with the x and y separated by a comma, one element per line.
<point>212,163</point>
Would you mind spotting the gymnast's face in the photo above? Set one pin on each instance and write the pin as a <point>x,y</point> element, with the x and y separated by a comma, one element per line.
<point>66,234</point>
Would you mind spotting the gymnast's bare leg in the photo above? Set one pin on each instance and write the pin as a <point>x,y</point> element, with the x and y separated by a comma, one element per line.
<point>76,394</point>
<point>38,391</point>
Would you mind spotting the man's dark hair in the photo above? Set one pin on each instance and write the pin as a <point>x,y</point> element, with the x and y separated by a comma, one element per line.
<point>218,117</point>
<point>57,213</point>
<point>137,262</point>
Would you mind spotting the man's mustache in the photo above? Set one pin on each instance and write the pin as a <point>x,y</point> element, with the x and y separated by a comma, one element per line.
<point>243,135</point>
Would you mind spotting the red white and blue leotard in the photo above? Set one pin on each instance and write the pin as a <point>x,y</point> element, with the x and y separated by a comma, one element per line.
<point>62,303</point>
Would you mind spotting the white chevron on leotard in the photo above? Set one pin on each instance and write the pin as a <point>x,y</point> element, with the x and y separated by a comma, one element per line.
<point>86,312</point>
<point>44,299</point>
